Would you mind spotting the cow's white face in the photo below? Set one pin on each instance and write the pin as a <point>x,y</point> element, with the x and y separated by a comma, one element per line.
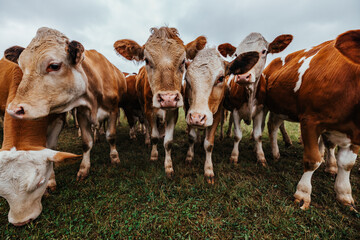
<point>23,180</point>
<point>254,42</point>
<point>53,78</point>
<point>204,87</point>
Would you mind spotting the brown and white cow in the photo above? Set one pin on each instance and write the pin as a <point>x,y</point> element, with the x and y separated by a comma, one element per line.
<point>131,105</point>
<point>241,98</point>
<point>319,88</point>
<point>205,89</point>
<point>159,82</point>
<point>25,162</point>
<point>59,75</point>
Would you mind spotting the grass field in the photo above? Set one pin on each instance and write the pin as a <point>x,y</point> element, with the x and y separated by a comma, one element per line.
<point>135,200</point>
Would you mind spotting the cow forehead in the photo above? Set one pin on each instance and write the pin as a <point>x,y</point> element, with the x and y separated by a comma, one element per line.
<point>21,156</point>
<point>164,47</point>
<point>207,64</point>
<point>253,42</point>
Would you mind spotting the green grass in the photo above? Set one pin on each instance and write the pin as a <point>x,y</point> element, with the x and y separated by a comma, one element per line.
<point>136,200</point>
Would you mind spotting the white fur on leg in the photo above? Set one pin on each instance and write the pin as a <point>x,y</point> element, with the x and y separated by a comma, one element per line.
<point>303,189</point>
<point>257,131</point>
<point>208,167</point>
<point>238,135</point>
<point>169,135</point>
<point>190,152</point>
<point>346,160</point>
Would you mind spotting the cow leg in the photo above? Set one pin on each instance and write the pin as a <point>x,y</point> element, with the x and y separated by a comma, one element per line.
<point>192,138</point>
<point>237,136</point>
<point>209,146</point>
<point>147,133</point>
<point>273,126</point>
<point>330,159</point>
<point>85,127</point>
<point>229,130</point>
<point>111,136</point>
<point>258,127</point>
<point>171,119</point>
<point>56,124</point>
<point>222,124</point>
<point>155,136</point>
<point>285,135</point>
<point>312,160</point>
<point>346,157</point>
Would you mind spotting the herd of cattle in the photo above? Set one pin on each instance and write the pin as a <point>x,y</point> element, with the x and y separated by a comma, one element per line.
<point>318,87</point>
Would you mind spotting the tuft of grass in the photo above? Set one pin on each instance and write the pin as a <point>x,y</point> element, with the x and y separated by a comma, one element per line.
<point>136,200</point>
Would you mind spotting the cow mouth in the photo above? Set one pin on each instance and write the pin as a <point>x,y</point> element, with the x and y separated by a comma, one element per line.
<point>22,223</point>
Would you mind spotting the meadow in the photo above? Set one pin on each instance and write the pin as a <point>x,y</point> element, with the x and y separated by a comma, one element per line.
<point>135,200</point>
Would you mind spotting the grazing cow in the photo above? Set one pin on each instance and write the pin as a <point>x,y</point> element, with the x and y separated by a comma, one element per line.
<point>25,162</point>
<point>131,106</point>
<point>60,75</point>
<point>159,82</point>
<point>204,93</point>
<point>319,88</point>
<point>241,97</point>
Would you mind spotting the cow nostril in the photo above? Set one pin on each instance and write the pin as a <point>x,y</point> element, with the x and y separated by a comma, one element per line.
<point>20,111</point>
<point>177,98</point>
<point>203,118</point>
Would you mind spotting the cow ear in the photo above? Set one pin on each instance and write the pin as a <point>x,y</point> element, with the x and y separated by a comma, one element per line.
<point>348,44</point>
<point>242,63</point>
<point>61,156</point>
<point>280,43</point>
<point>75,52</point>
<point>192,48</point>
<point>129,49</point>
<point>226,49</point>
<point>13,53</point>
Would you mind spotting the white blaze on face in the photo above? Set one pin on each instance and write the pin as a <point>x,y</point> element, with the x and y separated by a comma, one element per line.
<point>23,179</point>
<point>303,68</point>
<point>201,77</point>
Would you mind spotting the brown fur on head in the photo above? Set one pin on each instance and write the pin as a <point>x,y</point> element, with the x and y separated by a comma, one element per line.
<point>226,49</point>
<point>280,43</point>
<point>164,53</point>
<point>242,63</point>
<point>13,53</point>
<point>75,52</point>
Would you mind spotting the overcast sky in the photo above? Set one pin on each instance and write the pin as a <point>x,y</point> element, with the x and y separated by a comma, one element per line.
<point>98,24</point>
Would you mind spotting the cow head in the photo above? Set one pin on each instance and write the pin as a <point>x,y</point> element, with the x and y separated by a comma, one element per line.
<point>53,78</point>
<point>164,54</point>
<point>255,42</point>
<point>23,180</point>
<point>205,83</point>
<point>348,44</point>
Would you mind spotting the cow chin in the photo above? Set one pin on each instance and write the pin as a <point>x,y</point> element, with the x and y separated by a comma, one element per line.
<point>26,214</point>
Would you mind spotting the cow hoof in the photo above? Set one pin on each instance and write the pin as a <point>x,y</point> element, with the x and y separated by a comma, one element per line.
<point>188,160</point>
<point>263,164</point>
<point>332,170</point>
<point>210,179</point>
<point>276,157</point>
<point>170,173</point>
<point>233,160</point>
<point>114,158</point>
<point>288,144</point>
<point>302,204</point>
<point>81,175</point>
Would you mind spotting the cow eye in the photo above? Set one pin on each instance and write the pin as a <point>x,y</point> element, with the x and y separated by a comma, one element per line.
<point>53,67</point>
<point>220,79</point>
<point>264,52</point>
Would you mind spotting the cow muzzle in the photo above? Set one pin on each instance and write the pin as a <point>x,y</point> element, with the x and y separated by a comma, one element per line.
<point>168,100</point>
<point>197,119</point>
<point>244,78</point>
<point>17,112</point>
